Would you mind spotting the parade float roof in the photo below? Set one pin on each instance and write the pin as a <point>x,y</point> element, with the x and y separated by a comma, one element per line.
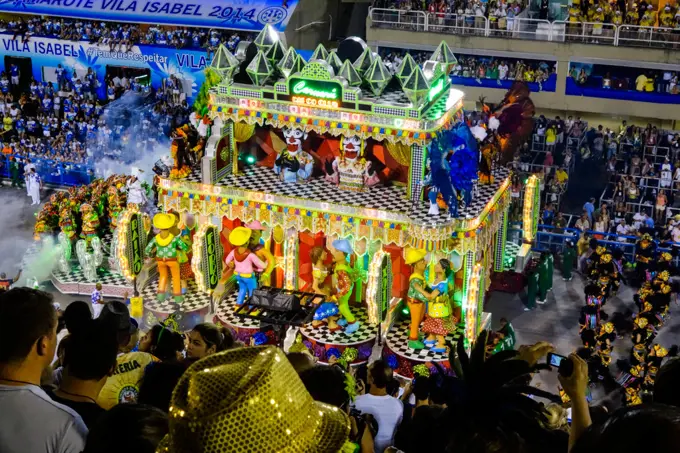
<point>347,91</point>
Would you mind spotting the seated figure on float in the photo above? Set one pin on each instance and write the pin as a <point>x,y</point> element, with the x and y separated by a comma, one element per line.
<point>166,248</point>
<point>293,164</point>
<point>439,321</point>
<point>351,171</point>
<point>244,262</point>
<point>343,284</point>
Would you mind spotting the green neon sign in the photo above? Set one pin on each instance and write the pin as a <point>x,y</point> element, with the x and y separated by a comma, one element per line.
<point>315,89</point>
<point>435,89</point>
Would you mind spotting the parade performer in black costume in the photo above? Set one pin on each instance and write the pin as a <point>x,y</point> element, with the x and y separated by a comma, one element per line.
<point>645,251</point>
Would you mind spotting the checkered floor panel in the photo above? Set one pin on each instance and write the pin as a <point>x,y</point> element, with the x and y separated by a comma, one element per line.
<point>397,341</point>
<point>322,335</point>
<point>225,313</point>
<point>104,276</point>
<point>390,198</point>
<point>194,299</point>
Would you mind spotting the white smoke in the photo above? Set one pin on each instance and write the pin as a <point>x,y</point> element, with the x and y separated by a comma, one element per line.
<point>135,147</point>
<point>39,265</point>
<point>16,236</point>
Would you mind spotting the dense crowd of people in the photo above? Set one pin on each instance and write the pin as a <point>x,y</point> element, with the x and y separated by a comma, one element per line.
<point>77,384</point>
<point>66,124</point>
<point>478,67</point>
<point>121,37</point>
<point>643,14</point>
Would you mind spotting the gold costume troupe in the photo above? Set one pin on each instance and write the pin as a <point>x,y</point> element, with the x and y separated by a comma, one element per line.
<point>653,269</point>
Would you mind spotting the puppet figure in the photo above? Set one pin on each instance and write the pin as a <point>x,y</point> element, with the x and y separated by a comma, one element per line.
<point>351,171</point>
<point>293,164</point>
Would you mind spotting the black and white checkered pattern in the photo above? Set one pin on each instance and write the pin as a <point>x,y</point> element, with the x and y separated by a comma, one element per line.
<point>397,341</point>
<point>390,198</point>
<point>264,180</point>
<point>194,299</point>
<point>322,335</point>
<point>225,313</point>
<point>104,276</point>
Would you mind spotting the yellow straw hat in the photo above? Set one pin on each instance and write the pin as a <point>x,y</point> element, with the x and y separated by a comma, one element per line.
<point>239,236</point>
<point>250,400</point>
<point>163,221</point>
<point>414,255</point>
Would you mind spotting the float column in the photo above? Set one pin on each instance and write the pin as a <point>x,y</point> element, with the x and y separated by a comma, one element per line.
<point>417,171</point>
<point>501,237</point>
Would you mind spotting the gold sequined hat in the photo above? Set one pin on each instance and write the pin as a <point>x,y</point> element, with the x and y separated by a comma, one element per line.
<point>250,400</point>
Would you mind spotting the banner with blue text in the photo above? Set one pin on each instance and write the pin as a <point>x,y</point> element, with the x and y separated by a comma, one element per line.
<point>246,15</point>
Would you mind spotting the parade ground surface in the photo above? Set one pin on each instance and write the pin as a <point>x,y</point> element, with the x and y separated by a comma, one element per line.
<point>556,321</point>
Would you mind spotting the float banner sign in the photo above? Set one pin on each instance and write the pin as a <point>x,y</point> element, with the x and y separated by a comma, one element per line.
<point>213,258</point>
<point>318,89</point>
<point>247,15</point>
<point>135,245</point>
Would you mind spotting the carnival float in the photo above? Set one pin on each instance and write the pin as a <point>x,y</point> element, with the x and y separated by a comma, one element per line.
<point>338,190</point>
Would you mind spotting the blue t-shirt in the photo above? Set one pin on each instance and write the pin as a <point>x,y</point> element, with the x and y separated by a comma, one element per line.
<point>14,70</point>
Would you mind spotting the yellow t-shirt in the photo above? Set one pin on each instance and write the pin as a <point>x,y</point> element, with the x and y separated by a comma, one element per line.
<point>561,176</point>
<point>640,82</point>
<point>649,86</point>
<point>123,385</point>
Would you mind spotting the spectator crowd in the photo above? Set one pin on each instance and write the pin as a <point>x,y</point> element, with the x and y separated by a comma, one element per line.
<point>626,79</point>
<point>121,37</point>
<point>70,383</point>
<point>66,123</point>
<point>480,67</point>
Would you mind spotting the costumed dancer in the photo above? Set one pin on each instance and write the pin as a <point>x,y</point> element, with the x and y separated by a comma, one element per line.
<point>34,186</point>
<point>90,222</point>
<point>165,246</point>
<point>136,195</point>
<point>545,278</point>
<point>343,280</point>
<point>351,171</point>
<point>645,250</point>
<point>293,164</point>
<point>244,262</point>
<point>115,202</point>
<point>256,245</point>
<point>568,260</point>
<point>66,222</point>
<point>418,296</point>
<point>605,342</point>
<point>533,279</point>
<point>439,321</point>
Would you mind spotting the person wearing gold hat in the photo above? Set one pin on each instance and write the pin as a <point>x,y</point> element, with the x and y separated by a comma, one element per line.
<point>417,296</point>
<point>244,262</point>
<point>645,250</point>
<point>90,222</point>
<point>250,400</point>
<point>165,246</point>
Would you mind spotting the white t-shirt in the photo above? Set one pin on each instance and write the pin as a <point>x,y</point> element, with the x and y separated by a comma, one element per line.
<point>387,411</point>
<point>503,72</point>
<point>676,234</point>
<point>32,422</point>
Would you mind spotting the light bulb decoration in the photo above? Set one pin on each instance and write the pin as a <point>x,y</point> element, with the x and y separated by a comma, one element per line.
<point>532,195</point>
<point>290,261</point>
<point>379,287</point>
<point>207,258</point>
<point>471,304</point>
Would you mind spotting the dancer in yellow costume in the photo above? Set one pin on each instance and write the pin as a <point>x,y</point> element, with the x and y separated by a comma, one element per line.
<point>165,247</point>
